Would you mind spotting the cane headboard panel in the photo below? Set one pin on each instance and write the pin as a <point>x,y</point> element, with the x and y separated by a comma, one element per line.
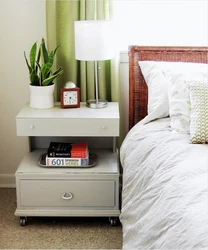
<point>138,94</point>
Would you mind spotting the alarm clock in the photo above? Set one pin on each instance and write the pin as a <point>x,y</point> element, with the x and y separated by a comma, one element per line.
<point>70,97</point>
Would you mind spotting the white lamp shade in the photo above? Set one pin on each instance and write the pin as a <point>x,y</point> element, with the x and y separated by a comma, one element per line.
<point>94,40</point>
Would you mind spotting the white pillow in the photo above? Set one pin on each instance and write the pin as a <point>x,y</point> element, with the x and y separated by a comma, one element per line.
<point>180,107</point>
<point>164,77</point>
<point>199,111</point>
<point>178,94</point>
<point>158,105</point>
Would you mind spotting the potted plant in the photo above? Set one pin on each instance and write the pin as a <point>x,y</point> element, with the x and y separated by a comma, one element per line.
<point>41,75</point>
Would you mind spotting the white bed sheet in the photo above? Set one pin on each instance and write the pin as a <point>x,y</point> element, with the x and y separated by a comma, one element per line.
<point>165,189</point>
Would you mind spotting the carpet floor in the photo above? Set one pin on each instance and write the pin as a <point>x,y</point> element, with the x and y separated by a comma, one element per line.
<point>54,233</point>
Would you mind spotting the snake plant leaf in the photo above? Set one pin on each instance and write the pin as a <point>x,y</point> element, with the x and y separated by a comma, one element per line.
<point>34,79</point>
<point>49,73</point>
<point>33,55</point>
<point>55,50</point>
<point>44,52</point>
<point>46,68</point>
<point>30,69</point>
<point>38,60</point>
<point>43,71</point>
<point>51,78</point>
<point>38,65</point>
<point>60,69</point>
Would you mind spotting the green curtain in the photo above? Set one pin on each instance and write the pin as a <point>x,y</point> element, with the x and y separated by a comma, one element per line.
<point>61,15</point>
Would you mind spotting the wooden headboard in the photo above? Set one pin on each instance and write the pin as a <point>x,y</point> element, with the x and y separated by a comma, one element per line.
<point>138,95</point>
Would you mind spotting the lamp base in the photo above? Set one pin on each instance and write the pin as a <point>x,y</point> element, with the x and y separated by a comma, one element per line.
<point>93,104</point>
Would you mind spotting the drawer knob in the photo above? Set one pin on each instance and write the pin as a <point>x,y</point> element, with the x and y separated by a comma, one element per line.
<point>104,127</point>
<point>67,196</point>
<point>31,127</point>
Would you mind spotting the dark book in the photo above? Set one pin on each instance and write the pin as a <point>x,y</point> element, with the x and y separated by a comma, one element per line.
<point>59,149</point>
<point>64,149</point>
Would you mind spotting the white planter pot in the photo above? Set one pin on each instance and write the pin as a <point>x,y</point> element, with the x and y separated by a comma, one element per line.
<point>41,97</point>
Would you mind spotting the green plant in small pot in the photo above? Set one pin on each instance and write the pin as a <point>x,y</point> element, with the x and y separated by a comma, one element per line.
<point>41,75</point>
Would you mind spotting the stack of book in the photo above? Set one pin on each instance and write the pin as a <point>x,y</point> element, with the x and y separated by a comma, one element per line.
<point>67,154</point>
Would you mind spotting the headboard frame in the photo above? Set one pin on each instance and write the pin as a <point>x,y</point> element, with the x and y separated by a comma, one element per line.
<point>138,94</point>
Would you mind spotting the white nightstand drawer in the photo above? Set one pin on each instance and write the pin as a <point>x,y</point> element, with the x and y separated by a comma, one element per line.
<point>67,127</point>
<point>67,193</point>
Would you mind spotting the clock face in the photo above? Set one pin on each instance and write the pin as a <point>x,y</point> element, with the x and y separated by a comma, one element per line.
<point>70,97</point>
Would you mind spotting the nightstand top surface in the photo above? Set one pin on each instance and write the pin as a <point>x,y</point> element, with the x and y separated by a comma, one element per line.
<point>111,111</point>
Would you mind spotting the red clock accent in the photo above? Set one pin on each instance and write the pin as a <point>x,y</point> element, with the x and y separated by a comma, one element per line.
<point>70,97</point>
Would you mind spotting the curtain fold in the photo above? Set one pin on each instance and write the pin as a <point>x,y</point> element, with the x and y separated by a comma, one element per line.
<point>61,15</point>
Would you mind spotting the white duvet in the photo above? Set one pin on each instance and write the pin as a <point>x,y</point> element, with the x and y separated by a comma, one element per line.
<point>165,189</point>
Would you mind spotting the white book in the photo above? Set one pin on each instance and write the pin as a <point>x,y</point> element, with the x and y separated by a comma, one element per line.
<point>66,162</point>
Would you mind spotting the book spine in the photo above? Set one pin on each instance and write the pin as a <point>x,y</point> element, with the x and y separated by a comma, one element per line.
<point>76,154</point>
<point>66,162</point>
<point>79,154</point>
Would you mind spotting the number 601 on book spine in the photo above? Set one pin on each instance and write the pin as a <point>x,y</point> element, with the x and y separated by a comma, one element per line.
<point>66,162</point>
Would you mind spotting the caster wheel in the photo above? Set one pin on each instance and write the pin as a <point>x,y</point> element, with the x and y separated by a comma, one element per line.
<point>23,221</point>
<point>113,221</point>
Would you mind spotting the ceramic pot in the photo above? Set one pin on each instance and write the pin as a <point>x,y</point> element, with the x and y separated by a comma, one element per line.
<point>41,97</point>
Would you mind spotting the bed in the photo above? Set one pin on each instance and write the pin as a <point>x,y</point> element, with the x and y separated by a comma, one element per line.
<point>165,153</point>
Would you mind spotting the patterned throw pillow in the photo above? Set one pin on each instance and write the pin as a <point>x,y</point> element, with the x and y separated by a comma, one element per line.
<point>178,94</point>
<point>199,112</point>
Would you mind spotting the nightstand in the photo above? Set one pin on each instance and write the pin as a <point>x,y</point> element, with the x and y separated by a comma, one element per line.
<point>69,191</point>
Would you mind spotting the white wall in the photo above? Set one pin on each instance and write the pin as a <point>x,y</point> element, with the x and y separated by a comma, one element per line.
<point>161,22</point>
<point>22,23</point>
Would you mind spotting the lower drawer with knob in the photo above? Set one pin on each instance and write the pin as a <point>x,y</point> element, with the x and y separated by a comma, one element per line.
<point>66,193</point>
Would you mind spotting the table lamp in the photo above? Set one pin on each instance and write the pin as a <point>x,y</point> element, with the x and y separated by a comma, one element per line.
<point>94,42</point>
